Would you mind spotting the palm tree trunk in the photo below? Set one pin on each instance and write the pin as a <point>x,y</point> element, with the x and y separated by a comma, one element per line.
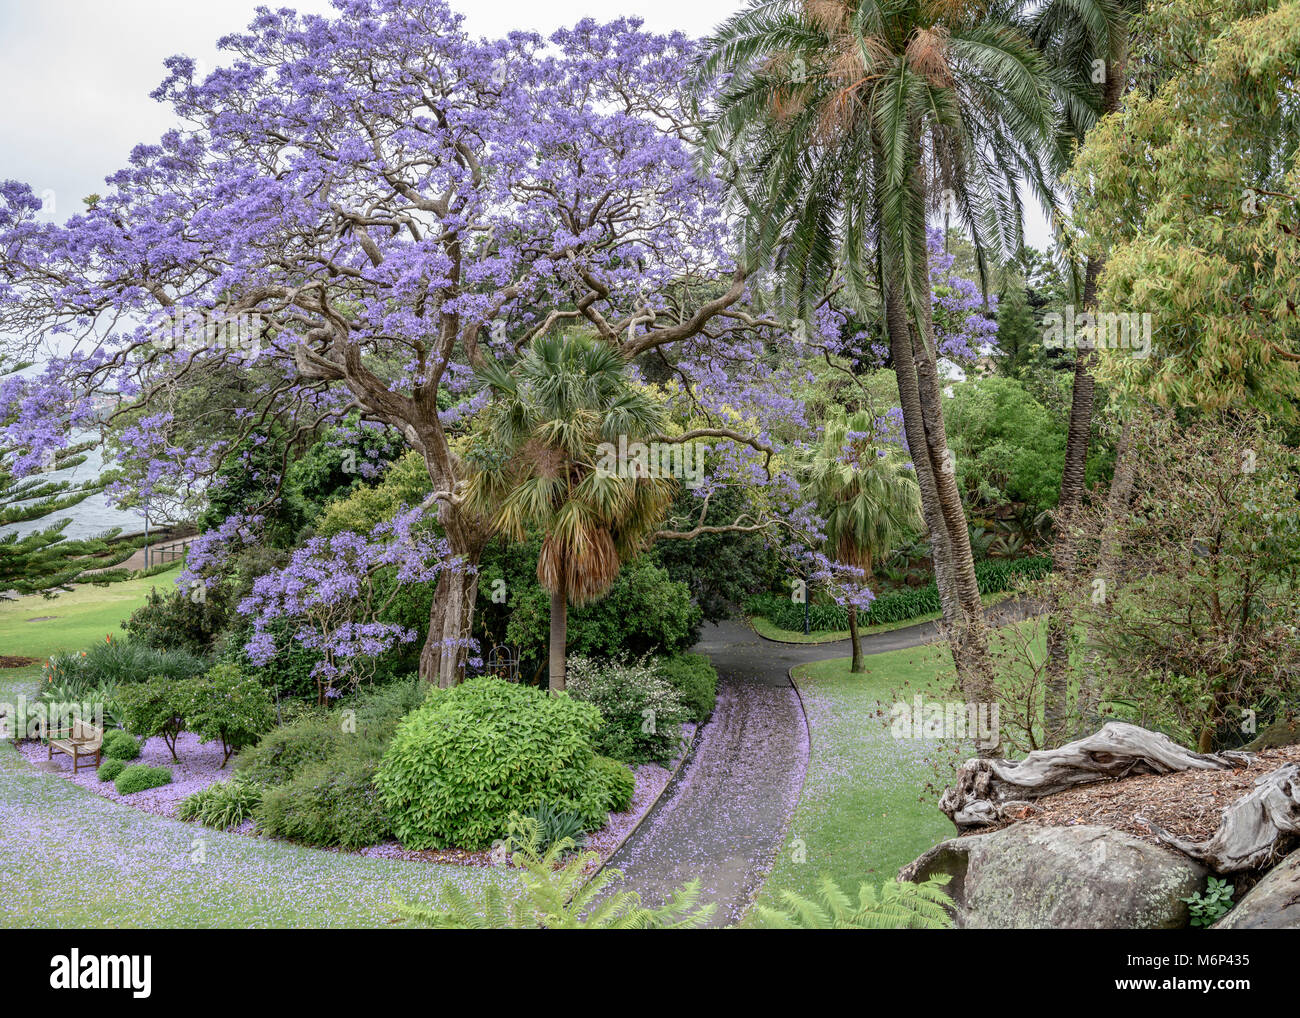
<point>559,637</point>
<point>857,640</point>
<point>967,639</point>
<point>1060,623</point>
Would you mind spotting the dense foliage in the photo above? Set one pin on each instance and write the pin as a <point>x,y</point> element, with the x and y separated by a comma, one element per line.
<point>473,754</point>
<point>642,710</point>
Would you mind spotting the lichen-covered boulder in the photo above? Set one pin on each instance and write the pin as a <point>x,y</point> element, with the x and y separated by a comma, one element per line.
<point>1272,904</point>
<point>1032,877</point>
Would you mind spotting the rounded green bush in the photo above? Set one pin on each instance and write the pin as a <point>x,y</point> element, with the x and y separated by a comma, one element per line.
<point>139,777</point>
<point>473,754</point>
<point>696,682</point>
<point>332,803</point>
<point>619,783</point>
<point>110,769</point>
<point>120,745</point>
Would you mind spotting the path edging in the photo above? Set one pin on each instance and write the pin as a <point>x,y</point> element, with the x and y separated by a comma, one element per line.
<point>672,776</point>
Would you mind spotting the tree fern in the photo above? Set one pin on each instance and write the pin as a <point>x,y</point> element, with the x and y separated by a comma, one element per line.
<point>897,906</point>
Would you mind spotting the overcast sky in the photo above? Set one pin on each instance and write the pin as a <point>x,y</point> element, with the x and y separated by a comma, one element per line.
<point>75,75</point>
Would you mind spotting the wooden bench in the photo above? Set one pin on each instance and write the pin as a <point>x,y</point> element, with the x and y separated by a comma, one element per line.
<point>80,741</point>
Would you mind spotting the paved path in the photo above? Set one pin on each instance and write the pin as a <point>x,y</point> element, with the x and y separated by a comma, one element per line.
<point>722,819</point>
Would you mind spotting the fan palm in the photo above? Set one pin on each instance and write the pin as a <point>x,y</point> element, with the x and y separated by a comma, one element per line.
<point>847,122</point>
<point>869,496</point>
<point>534,468</point>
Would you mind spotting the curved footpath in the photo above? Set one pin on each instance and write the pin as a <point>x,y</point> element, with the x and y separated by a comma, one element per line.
<point>723,816</point>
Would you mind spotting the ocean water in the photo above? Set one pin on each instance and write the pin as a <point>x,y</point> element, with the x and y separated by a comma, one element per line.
<point>90,517</point>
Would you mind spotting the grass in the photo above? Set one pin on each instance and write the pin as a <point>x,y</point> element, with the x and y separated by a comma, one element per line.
<point>74,620</point>
<point>861,814</point>
<point>864,811</point>
<point>69,858</point>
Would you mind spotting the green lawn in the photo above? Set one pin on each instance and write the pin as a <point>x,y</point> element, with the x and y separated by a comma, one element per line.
<point>71,858</point>
<point>860,815</point>
<point>74,620</point>
<point>864,811</point>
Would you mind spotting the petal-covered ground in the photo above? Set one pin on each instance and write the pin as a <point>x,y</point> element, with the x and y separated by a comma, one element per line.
<point>71,858</point>
<point>770,800</point>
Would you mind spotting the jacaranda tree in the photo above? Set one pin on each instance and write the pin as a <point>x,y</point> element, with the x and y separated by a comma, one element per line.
<point>357,210</point>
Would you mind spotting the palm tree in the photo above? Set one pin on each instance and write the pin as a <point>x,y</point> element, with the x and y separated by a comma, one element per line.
<point>1080,38</point>
<point>847,120</point>
<point>870,497</point>
<point>536,465</point>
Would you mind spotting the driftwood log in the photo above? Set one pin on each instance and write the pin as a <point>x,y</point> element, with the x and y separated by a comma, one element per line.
<point>1254,830</point>
<point>987,791</point>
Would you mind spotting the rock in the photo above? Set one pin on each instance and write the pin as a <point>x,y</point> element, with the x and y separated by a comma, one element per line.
<point>1028,876</point>
<point>1272,904</point>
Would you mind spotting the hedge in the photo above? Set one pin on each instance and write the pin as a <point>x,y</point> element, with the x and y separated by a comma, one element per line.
<point>993,575</point>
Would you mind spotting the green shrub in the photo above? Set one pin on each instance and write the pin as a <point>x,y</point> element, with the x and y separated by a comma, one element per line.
<point>366,721</point>
<point>227,706</point>
<point>223,804</point>
<point>643,713</point>
<point>696,682</point>
<point>155,707</point>
<point>619,782</point>
<point>644,613</point>
<point>1209,907</point>
<point>553,826</point>
<point>473,754</point>
<point>286,750</point>
<point>139,777</point>
<point>330,803</point>
<point>119,745</point>
<point>117,662</point>
<point>174,621</point>
<point>110,769</point>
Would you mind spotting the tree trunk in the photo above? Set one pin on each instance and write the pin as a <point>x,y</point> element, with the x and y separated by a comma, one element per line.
<point>857,641</point>
<point>451,615</point>
<point>969,635</point>
<point>559,637</point>
<point>1117,502</point>
<point>963,620</point>
<point>1060,623</point>
<point>442,660</point>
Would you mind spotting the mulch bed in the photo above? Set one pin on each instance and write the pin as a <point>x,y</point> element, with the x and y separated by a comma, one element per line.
<point>1187,804</point>
<point>8,661</point>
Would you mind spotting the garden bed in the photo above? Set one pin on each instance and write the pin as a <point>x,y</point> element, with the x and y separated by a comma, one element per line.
<point>200,766</point>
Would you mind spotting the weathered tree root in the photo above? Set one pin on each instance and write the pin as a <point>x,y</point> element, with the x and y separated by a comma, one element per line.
<point>988,791</point>
<point>1254,830</point>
